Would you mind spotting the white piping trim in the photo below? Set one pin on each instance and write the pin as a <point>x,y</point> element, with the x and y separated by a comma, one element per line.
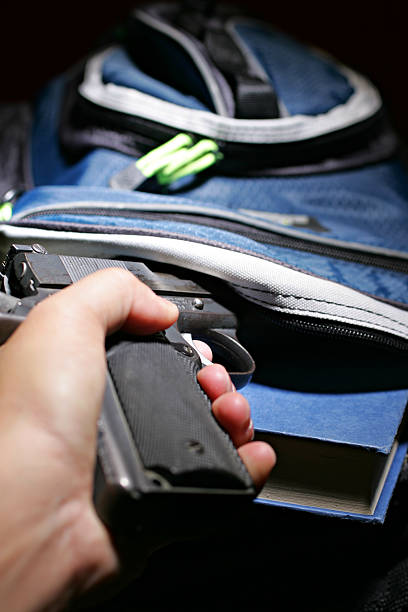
<point>362,104</point>
<point>251,217</point>
<point>274,286</point>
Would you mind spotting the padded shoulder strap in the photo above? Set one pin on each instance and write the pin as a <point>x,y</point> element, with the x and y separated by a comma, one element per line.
<point>255,97</point>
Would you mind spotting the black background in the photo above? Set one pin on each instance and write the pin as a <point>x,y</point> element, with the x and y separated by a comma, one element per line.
<point>38,40</point>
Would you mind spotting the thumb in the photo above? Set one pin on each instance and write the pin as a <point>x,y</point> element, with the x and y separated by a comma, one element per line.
<point>57,356</point>
<point>100,304</point>
<point>116,298</point>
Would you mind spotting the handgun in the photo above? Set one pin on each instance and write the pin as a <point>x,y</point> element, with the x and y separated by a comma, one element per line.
<point>159,446</point>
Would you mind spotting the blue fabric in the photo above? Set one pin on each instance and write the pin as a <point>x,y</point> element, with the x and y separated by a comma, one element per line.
<point>385,284</point>
<point>118,68</point>
<point>47,161</point>
<point>367,205</point>
<point>307,83</point>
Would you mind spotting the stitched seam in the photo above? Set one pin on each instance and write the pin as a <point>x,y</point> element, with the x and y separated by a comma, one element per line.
<point>94,229</point>
<point>324,314</point>
<point>296,297</point>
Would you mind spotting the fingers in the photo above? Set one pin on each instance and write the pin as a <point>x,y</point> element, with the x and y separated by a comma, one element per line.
<point>117,298</point>
<point>259,459</point>
<point>233,414</point>
<point>232,411</point>
<point>57,355</point>
<point>82,314</point>
<point>215,380</point>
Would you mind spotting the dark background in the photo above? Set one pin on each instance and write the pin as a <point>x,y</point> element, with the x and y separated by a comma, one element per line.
<point>39,40</point>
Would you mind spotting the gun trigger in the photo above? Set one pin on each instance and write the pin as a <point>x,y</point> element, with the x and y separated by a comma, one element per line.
<point>189,339</point>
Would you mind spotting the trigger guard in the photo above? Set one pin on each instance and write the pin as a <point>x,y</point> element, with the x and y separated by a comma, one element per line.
<point>240,365</point>
<point>189,339</point>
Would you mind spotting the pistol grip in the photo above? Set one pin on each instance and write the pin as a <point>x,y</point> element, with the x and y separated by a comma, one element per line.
<point>169,423</point>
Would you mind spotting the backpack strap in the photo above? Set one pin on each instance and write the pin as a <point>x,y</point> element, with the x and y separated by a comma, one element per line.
<point>162,80</point>
<point>255,97</point>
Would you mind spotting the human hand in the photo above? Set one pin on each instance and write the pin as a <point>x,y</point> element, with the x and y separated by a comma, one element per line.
<point>52,379</point>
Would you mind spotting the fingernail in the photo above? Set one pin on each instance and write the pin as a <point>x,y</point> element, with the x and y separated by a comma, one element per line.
<point>250,430</point>
<point>171,308</point>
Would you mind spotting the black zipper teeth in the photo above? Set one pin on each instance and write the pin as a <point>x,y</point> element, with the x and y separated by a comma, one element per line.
<point>151,133</point>
<point>394,264</point>
<point>391,263</point>
<point>339,330</point>
<point>297,323</point>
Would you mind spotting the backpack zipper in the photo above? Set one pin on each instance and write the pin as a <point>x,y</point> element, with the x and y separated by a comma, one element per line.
<point>368,322</point>
<point>395,261</point>
<point>336,330</point>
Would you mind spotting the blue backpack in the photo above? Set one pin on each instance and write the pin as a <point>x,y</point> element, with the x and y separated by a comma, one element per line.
<point>211,142</point>
<point>206,140</point>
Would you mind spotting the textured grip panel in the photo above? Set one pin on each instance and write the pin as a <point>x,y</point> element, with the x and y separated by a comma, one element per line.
<point>170,416</point>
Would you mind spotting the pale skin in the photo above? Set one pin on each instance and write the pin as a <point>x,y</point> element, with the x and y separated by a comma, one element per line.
<point>52,375</point>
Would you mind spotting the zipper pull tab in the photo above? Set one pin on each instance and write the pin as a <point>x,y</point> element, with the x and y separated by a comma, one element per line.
<point>6,204</point>
<point>181,156</point>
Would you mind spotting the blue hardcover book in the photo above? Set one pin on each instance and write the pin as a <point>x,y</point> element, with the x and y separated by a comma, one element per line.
<point>338,453</point>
